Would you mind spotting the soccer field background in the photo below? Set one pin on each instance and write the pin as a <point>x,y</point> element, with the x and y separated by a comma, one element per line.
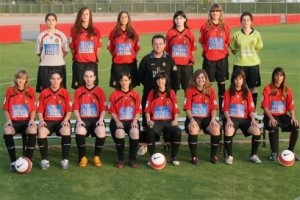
<point>242,180</point>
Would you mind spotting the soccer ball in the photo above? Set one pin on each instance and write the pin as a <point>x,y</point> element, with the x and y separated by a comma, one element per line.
<point>23,165</point>
<point>158,161</point>
<point>286,158</point>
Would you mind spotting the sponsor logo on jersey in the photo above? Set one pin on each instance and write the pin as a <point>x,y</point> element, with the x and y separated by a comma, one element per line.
<point>162,112</point>
<point>199,109</point>
<point>124,49</point>
<point>86,47</point>
<point>237,110</point>
<point>126,112</point>
<point>277,107</point>
<point>88,110</point>
<point>20,110</point>
<point>51,49</point>
<point>216,43</point>
<point>54,110</point>
<point>179,50</point>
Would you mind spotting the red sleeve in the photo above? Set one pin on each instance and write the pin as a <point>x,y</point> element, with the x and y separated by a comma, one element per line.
<point>33,102</point>
<point>112,106</point>
<point>99,40</point>
<point>213,100</point>
<point>102,101</point>
<point>226,101</point>
<point>251,107</point>
<point>148,108</point>
<point>137,46</point>
<point>76,99</point>
<point>138,106</point>
<point>289,101</point>
<point>40,108</point>
<point>110,45</point>
<point>168,47</point>
<point>73,38</point>
<point>175,102</point>
<point>265,102</point>
<point>6,99</point>
<point>68,101</point>
<point>227,32</point>
<point>187,104</point>
<point>193,42</point>
<point>202,34</point>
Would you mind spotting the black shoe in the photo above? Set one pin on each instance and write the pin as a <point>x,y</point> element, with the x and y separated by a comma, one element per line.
<point>297,158</point>
<point>195,160</point>
<point>133,164</point>
<point>273,156</point>
<point>12,167</point>
<point>120,164</point>
<point>214,159</point>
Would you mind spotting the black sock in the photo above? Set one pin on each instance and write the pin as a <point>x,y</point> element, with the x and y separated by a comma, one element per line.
<point>254,96</point>
<point>120,144</point>
<point>221,91</point>
<point>99,142</point>
<point>43,146</point>
<point>133,147</point>
<point>31,142</point>
<point>214,144</point>
<point>293,140</point>
<point>192,140</point>
<point>10,146</point>
<point>273,138</point>
<point>255,144</point>
<point>151,148</point>
<point>80,141</point>
<point>65,145</point>
<point>174,149</point>
<point>228,145</point>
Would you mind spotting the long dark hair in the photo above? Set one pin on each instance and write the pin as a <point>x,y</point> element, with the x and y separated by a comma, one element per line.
<point>283,86</point>
<point>59,73</point>
<point>130,32</point>
<point>235,74</point>
<point>78,23</point>
<point>160,75</point>
<point>182,14</point>
<point>118,85</point>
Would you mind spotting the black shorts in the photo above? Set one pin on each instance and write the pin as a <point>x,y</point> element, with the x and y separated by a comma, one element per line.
<point>113,127</point>
<point>216,70</point>
<point>117,69</point>
<point>284,122</point>
<point>54,126</point>
<point>78,70</point>
<point>164,128</point>
<point>203,123</point>
<point>185,73</point>
<point>90,126</point>
<point>252,75</point>
<point>43,76</point>
<point>20,126</point>
<point>240,123</point>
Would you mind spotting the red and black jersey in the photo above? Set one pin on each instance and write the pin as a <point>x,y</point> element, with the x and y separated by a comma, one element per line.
<point>200,104</point>
<point>237,106</point>
<point>162,107</point>
<point>123,49</point>
<point>19,103</point>
<point>125,104</point>
<point>89,102</point>
<point>85,48</point>
<point>276,102</point>
<point>54,105</point>
<point>214,41</point>
<point>180,46</point>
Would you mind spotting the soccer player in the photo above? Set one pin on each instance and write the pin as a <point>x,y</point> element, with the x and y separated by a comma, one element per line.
<point>123,45</point>
<point>54,112</point>
<point>162,116</point>
<point>181,45</point>
<point>239,111</point>
<point>200,105</point>
<point>89,109</point>
<point>125,109</point>
<point>151,64</point>
<point>51,46</point>
<point>19,111</point>
<point>277,102</point>
<point>85,44</point>
<point>245,45</point>
<point>215,39</point>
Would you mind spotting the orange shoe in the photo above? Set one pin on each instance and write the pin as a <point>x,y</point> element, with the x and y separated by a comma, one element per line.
<point>97,161</point>
<point>83,162</point>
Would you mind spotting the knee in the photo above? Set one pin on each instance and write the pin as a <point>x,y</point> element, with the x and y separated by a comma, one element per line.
<point>43,132</point>
<point>134,133</point>
<point>120,134</point>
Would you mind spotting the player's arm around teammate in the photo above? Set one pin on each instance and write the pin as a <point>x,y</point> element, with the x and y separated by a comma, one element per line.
<point>89,110</point>
<point>200,105</point>
<point>54,112</point>
<point>239,112</point>
<point>279,111</point>
<point>19,111</point>
<point>125,109</point>
<point>162,116</point>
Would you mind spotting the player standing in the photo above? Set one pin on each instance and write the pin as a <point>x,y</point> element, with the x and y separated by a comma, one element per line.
<point>123,45</point>
<point>19,111</point>
<point>51,47</point>
<point>85,44</point>
<point>181,45</point>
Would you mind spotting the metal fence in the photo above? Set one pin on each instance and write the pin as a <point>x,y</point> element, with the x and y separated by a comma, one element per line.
<point>150,7</point>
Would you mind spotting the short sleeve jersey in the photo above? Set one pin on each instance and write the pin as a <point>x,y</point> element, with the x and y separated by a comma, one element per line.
<point>90,102</point>
<point>181,45</point>
<point>51,48</point>
<point>85,48</point>
<point>237,106</point>
<point>19,104</point>
<point>125,104</point>
<point>200,104</point>
<point>276,102</point>
<point>54,104</point>
<point>162,107</point>
<point>123,49</point>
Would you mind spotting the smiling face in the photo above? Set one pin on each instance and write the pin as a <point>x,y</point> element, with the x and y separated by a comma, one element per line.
<point>89,79</point>
<point>21,81</point>
<point>200,80</point>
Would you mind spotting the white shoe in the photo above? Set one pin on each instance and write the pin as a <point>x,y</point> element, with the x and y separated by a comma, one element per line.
<point>175,162</point>
<point>64,164</point>
<point>142,150</point>
<point>45,164</point>
<point>255,159</point>
<point>229,160</point>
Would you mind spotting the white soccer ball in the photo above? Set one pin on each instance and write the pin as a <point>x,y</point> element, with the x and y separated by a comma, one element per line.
<point>286,158</point>
<point>23,165</point>
<point>158,161</point>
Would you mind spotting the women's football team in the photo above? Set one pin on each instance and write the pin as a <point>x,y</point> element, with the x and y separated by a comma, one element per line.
<point>236,105</point>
